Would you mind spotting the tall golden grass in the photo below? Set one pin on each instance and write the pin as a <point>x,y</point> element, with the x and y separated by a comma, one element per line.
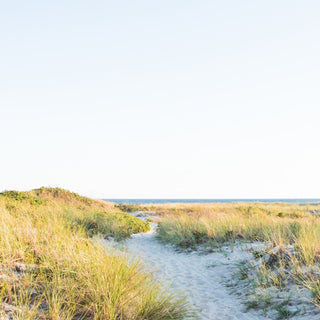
<point>51,269</point>
<point>279,225</point>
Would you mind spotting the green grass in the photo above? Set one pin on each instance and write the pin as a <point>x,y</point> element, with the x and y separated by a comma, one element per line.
<point>65,274</point>
<point>114,224</point>
<point>130,207</point>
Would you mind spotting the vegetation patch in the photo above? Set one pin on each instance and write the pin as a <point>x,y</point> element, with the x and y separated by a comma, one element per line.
<point>118,225</point>
<point>287,266</point>
<point>130,207</point>
<point>51,269</point>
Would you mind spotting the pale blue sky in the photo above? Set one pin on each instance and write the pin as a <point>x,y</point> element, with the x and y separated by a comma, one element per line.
<point>191,99</point>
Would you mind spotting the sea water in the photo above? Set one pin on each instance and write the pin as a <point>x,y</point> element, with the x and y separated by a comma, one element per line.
<point>157,201</point>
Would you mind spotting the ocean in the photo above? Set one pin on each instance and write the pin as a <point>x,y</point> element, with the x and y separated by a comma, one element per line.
<point>158,201</point>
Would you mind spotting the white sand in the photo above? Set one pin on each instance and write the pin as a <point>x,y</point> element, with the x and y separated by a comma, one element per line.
<point>208,280</point>
<point>201,277</point>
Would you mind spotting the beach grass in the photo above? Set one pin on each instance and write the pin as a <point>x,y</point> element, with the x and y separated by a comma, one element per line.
<point>51,268</point>
<point>290,234</point>
<point>278,224</point>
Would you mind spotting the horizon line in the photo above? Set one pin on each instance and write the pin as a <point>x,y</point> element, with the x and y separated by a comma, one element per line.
<point>259,198</point>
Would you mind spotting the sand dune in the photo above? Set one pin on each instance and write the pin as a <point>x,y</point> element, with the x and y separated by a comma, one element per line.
<point>208,280</point>
<point>202,278</point>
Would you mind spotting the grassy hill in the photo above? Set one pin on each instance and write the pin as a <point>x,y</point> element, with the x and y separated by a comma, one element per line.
<point>51,269</point>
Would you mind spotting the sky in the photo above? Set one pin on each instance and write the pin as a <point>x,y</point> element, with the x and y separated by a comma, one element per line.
<point>161,99</point>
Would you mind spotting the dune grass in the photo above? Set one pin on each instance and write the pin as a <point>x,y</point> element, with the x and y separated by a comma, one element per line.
<point>51,269</point>
<point>279,224</point>
<point>276,224</point>
<point>291,233</point>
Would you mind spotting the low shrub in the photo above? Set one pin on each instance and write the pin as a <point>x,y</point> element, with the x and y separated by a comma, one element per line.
<point>130,207</point>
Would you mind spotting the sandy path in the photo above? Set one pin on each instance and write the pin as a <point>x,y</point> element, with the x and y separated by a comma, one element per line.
<point>201,277</point>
